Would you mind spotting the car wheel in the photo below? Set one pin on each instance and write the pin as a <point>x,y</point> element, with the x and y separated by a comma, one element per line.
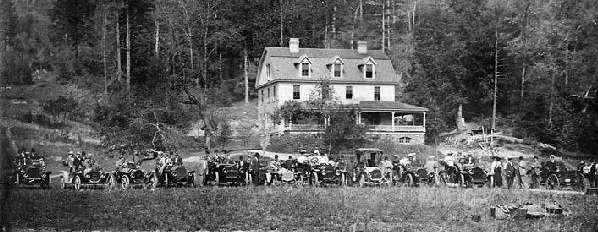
<point>77,182</point>
<point>410,180</point>
<point>111,181</point>
<point>315,181</point>
<point>153,182</point>
<point>125,182</point>
<point>361,182</point>
<point>552,182</point>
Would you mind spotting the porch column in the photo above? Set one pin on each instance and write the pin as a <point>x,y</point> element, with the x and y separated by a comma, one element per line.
<point>424,119</point>
<point>392,121</point>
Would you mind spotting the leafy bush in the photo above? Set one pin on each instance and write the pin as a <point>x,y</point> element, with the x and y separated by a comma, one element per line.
<point>290,143</point>
<point>62,106</point>
<point>41,119</point>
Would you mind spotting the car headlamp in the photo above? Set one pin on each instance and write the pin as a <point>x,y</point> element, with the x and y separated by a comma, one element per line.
<point>87,176</point>
<point>173,173</point>
<point>25,175</point>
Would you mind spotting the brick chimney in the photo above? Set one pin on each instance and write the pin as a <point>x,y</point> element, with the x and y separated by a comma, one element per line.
<point>294,45</point>
<point>362,47</point>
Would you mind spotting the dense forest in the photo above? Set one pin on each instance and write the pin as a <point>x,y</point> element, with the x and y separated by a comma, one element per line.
<point>149,62</point>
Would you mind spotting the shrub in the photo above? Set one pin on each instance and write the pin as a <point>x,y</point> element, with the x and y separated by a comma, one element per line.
<point>288,143</point>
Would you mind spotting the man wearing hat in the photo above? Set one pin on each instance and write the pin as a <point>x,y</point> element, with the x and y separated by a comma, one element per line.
<point>496,171</point>
<point>521,167</point>
<point>535,172</point>
<point>510,172</point>
<point>552,165</point>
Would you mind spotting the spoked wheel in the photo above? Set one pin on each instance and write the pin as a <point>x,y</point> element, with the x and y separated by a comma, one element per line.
<point>361,181</point>
<point>77,182</point>
<point>153,182</point>
<point>315,181</point>
<point>552,182</point>
<point>111,181</point>
<point>125,182</point>
<point>462,180</point>
<point>410,180</point>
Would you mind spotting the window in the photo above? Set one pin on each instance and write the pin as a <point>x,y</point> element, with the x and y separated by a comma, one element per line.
<point>268,99</point>
<point>337,70</point>
<point>296,93</point>
<point>349,92</point>
<point>404,140</point>
<point>305,69</point>
<point>377,93</point>
<point>262,94</point>
<point>369,71</point>
<point>274,92</point>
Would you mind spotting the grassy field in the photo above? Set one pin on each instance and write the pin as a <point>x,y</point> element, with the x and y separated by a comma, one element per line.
<point>286,209</point>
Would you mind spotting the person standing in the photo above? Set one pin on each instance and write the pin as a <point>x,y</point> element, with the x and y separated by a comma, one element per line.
<point>510,172</point>
<point>521,168</point>
<point>592,175</point>
<point>535,173</point>
<point>496,172</point>
<point>255,168</point>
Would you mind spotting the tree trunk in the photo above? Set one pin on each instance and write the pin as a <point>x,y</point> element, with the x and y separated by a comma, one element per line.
<point>128,54</point>
<point>383,25</point>
<point>281,23</point>
<point>246,75</point>
<point>104,22</point>
<point>119,67</point>
<point>157,39</point>
<point>204,71</point>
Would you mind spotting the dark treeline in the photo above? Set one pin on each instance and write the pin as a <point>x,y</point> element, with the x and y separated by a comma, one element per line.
<point>151,62</point>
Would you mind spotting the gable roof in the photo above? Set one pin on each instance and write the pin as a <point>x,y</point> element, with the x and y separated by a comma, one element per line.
<point>283,65</point>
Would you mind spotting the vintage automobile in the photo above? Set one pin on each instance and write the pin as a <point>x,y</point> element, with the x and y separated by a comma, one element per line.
<point>171,176</point>
<point>556,176</point>
<point>324,175</point>
<point>451,175</point>
<point>130,176</point>
<point>33,172</point>
<point>474,177</point>
<point>366,172</point>
<point>93,177</point>
<point>224,174</point>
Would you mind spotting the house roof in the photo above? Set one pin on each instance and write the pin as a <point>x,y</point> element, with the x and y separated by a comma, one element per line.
<point>390,106</point>
<point>283,65</point>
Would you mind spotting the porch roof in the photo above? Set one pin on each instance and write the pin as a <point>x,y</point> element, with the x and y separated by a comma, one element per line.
<point>389,106</point>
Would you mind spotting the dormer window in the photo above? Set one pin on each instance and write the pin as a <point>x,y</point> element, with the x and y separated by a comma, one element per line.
<point>337,70</point>
<point>369,71</point>
<point>369,68</point>
<point>336,67</point>
<point>305,69</point>
<point>304,66</point>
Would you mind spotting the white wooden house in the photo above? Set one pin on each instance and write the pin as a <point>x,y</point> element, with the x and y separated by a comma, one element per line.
<point>361,79</point>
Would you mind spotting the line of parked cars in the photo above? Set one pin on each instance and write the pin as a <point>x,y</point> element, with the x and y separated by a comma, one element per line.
<point>362,169</point>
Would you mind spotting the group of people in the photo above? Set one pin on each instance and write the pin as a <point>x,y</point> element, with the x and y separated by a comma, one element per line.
<point>79,161</point>
<point>590,172</point>
<point>25,158</point>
